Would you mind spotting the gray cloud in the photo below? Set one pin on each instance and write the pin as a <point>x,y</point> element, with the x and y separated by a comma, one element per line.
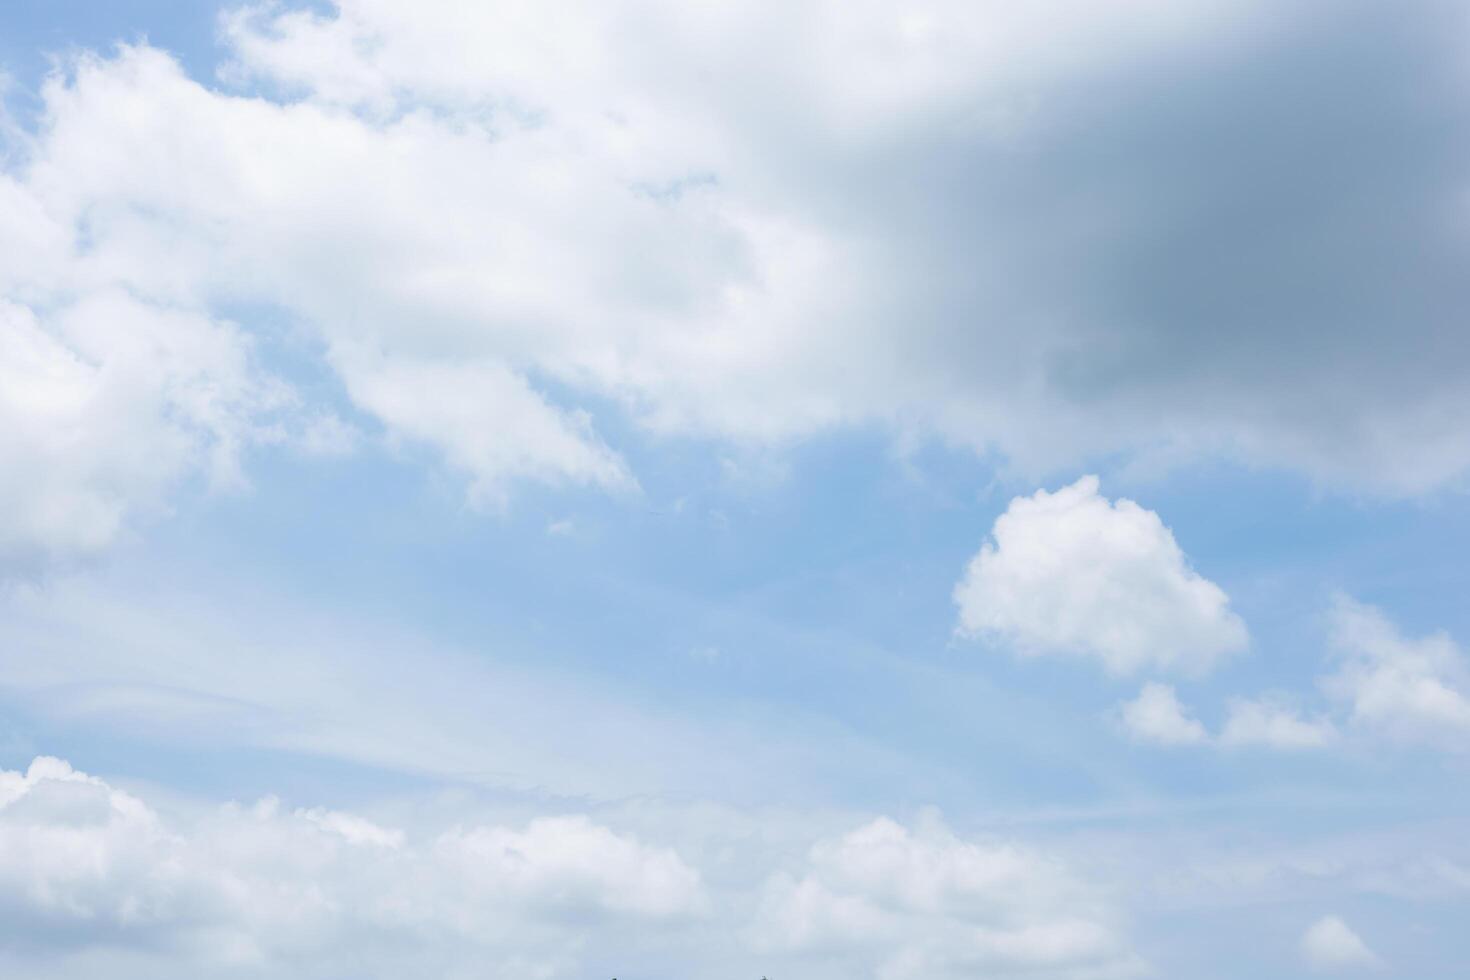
<point>1252,243</point>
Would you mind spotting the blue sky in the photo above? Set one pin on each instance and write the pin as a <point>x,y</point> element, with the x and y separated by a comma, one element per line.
<point>901,490</point>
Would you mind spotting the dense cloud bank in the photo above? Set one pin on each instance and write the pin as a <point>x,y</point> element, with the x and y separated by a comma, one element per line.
<point>1057,231</point>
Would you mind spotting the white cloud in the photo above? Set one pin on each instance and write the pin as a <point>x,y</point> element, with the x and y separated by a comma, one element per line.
<point>922,903</point>
<point>91,874</point>
<point>1272,723</point>
<point>1157,716</point>
<point>1329,944</point>
<point>106,402</point>
<point>352,828</point>
<point>1409,689</point>
<point>85,867</point>
<point>495,219</point>
<point>487,422</point>
<point>1071,573</point>
<point>560,861</point>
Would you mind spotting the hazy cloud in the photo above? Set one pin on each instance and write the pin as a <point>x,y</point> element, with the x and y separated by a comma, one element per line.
<point>1157,716</point>
<point>1407,689</point>
<point>1329,944</point>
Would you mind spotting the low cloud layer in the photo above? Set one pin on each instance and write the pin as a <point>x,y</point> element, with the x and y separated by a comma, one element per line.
<point>262,889</point>
<point>259,888</point>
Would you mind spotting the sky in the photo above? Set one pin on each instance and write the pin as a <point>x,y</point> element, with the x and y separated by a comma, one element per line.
<point>910,491</point>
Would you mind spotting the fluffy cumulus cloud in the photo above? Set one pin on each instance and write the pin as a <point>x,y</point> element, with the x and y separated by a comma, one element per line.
<point>87,869</point>
<point>1073,573</point>
<point>897,903</point>
<point>1408,689</point>
<point>1329,944</point>
<point>988,224</point>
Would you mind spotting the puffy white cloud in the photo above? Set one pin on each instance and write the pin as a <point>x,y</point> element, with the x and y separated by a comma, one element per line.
<point>1157,716</point>
<point>900,902</point>
<point>973,221</point>
<point>1409,689</point>
<point>1072,573</point>
<point>1329,944</point>
<point>87,867</point>
<point>1273,723</point>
